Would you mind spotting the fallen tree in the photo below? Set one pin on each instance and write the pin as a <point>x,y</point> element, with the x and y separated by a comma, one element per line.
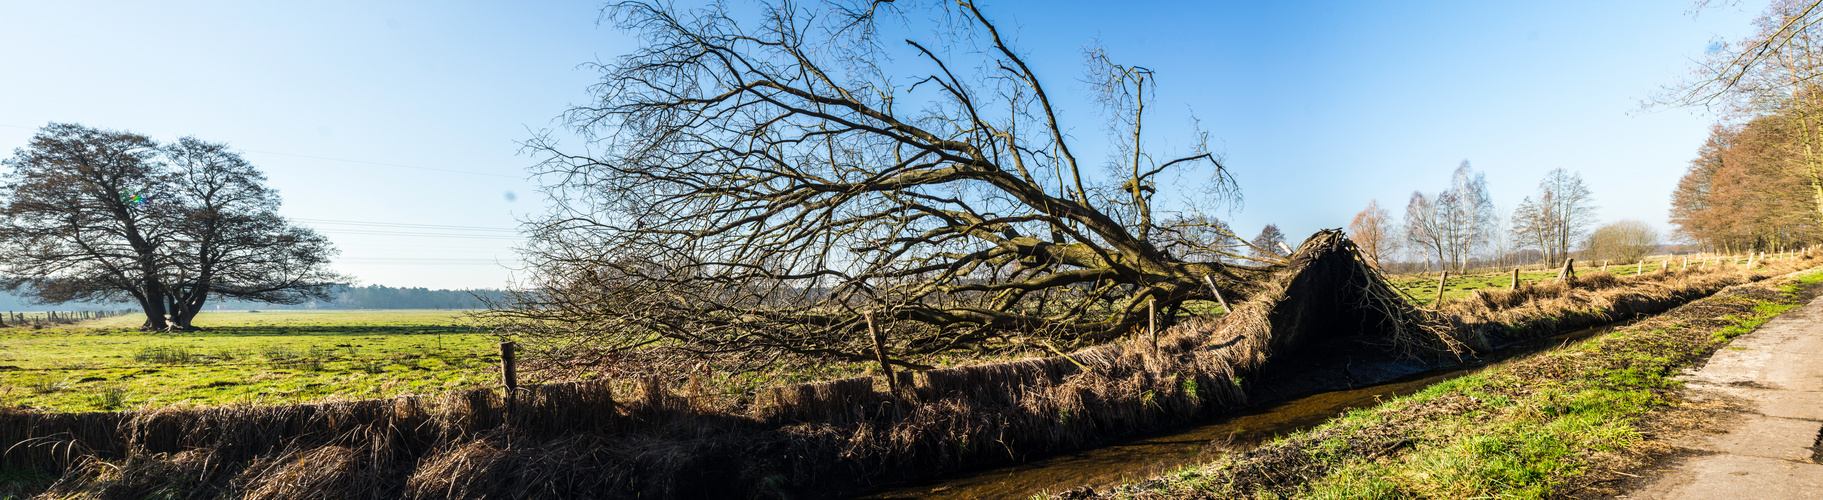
<point>752,189</point>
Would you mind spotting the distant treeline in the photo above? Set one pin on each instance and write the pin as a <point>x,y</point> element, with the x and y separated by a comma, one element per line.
<point>364,297</point>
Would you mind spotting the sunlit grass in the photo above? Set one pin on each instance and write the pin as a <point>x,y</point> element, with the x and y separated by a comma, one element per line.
<point>1510,431</point>
<point>242,357</point>
<point>1422,287</point>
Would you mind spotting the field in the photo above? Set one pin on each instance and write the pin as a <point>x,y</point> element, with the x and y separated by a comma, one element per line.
<point>1423,287</point>
<point>294,356</point>
<point>243,357</point>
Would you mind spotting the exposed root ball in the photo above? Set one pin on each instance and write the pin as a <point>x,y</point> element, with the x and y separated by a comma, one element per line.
<point>1328,293</point>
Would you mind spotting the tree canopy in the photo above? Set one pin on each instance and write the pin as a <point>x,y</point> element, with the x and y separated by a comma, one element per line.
<point>755,179</point>
<point>1758,182</point>
<point>106,216</point>
<point>1740,192</point>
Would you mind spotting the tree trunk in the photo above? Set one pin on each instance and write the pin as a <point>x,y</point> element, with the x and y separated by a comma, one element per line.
<point>154,306</point>
<point>187,313</point>
<point>155,315</point>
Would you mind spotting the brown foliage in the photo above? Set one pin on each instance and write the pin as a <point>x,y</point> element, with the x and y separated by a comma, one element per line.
<point>1744,191</point>
<point>1373,230</point>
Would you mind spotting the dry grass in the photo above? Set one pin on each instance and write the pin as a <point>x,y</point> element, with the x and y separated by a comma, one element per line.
<point>582,440</point>
<point>1570,423</point>
<point>1597,298</point>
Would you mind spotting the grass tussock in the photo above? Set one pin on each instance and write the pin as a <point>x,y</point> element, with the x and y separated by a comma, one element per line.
<point>665,438</point>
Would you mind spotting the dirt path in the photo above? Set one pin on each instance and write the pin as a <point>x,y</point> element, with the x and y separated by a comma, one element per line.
<point>1768,447</point>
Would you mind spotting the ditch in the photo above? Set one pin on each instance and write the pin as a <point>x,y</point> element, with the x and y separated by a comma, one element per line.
<point>1142,457</point>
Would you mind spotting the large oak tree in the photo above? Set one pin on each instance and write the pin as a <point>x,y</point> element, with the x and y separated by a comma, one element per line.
<point>106,216</point>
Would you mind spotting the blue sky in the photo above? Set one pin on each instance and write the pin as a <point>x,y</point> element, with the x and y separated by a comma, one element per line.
<point>394,126</point>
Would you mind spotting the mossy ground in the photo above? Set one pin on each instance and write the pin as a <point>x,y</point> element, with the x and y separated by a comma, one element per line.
<point>242,357</point>
<point>1567,423</point>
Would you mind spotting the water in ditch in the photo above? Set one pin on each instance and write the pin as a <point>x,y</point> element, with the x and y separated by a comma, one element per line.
<point>1139,458</point>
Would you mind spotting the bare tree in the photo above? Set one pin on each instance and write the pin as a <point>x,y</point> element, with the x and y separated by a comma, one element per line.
<point>1267,244</point>
<point>1771,73</point>
<point>1532,225</point>
<point>1503,247</point>
<point>1739,192</point>
<point>1454,224</point>
<point>103,216</point>
<point>1623,241</point>
<point>1200,238</point>
<point>1571,210</point>
<point>1557,216</point>
<point>1424,227</point>
<point>1467,213</point>
<point>229,241</point>
<point>1375,232</point>
<point>1693,202</point>
<point>750,187</point>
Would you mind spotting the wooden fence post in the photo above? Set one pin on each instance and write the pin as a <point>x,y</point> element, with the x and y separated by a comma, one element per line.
<point>1515,285</point>
<point>1642,268</point>
<point>1569,270</point>
<point>892,380</point>
<point>1441,280</point>
<point>1152,323</point>
<point>509,373</point>
<point>1218,294</point>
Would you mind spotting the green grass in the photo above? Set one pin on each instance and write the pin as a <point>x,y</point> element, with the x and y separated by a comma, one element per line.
<point>243,357</point>
<point>1524,430</point>
<point>1423,287</point>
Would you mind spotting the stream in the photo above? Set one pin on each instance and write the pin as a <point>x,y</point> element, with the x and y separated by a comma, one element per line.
<point>1142,457</point>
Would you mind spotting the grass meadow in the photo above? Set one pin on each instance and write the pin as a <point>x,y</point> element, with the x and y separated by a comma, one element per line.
<point>1423,287</point>
<point>243,358</point>
<point>274,357</point>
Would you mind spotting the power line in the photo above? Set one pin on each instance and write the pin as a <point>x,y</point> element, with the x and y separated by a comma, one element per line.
<point>426,263</point>
<point>420,235</point>
<point>422,261</point>
<point>407,225</point>
<point>447,259</point>
<point>381,164</point>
